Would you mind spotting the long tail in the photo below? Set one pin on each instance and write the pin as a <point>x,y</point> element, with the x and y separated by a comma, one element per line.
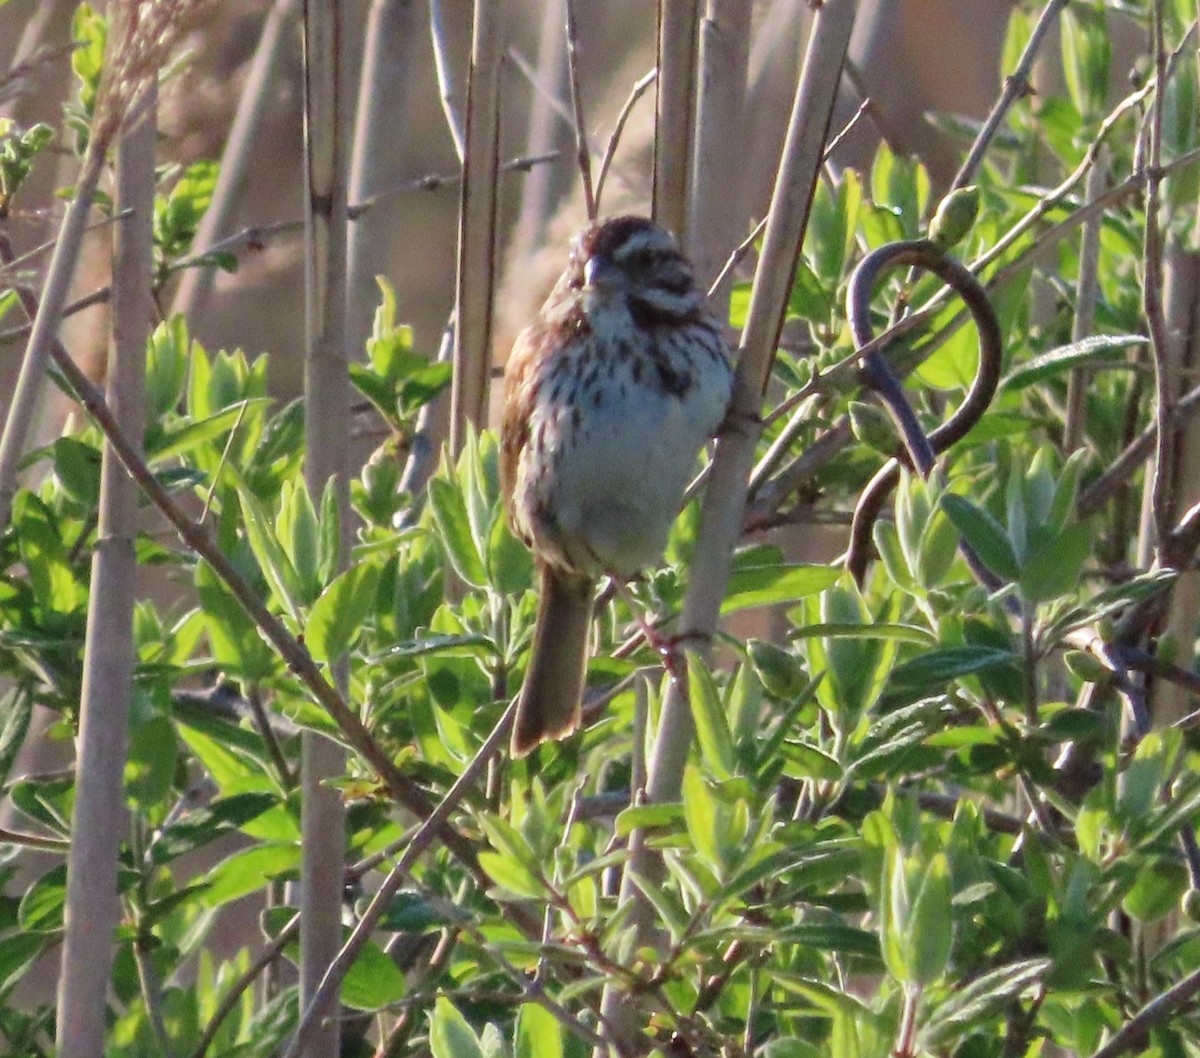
<point>548,706</point>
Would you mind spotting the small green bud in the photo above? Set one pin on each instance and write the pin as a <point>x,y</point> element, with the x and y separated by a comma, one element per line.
<point>780,671</point>
<point>1084,665</point>
<point>955,217</point>
<point>1167,648</point>
<point>871,425</point>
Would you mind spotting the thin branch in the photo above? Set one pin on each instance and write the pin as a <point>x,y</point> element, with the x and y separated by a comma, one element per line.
<point>640,87</point>
<point>1132,1035</point>
<point>1016,85</point>
<point>439,818</point>
<point>230,1000</point>
<point>582,154</point>
<point>448,84</point>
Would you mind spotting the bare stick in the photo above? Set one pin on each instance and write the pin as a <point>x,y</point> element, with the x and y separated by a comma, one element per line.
<point>241,146</point>
<point>448,85</point>
<point>1015,86</point>
<point>377,149</point>
<point>326,435</point>
<point>45,327</point>
<point>582,155</point>
<point>316,1008</point>
<point>475,288</point>
<point>716,212</point>
<point>640,87</point>
<point>541,191</point>
<point>1164,498</point>
<point>678,24</point>
<point>98,818</point>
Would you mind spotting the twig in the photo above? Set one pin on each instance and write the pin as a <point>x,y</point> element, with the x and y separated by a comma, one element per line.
<point>640,87</point>
<point>232,997</point>
<point>448,86</point>
<point>96,297</point>
<point>1015,86</point>
<point>1133,1033</point>
<point>422,839</point>
<point>582,154</point>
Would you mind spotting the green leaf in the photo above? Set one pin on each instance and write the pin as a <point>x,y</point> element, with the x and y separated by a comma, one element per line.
<point>1156,892</point>
<point>338,615</point>
<point>297,531</point>
<point>17,953</point>
<point>648,816</point>
<point>450,1036</point>
<point>769,585</point>
<point>1087,58</point>
<point>936,667</point>
<point>708,711</point>
<point>978,1001</point>
<point>512,876</point>
<point>1054,568</point>
<point>931,922</point>
<point>538,1033</point>
<point>274,563</point>
<point>203,825</point>
<point>248,871</point>
<point>150,767</point>
<point>77,467</point>
<point>1065,357</point>
<point>700,811</point>
<point>236,643</point>
<point>186,436</point>
<point>16,707</point>
<point>41,907</point>
<point>454,529</point>
<point>984,534</point>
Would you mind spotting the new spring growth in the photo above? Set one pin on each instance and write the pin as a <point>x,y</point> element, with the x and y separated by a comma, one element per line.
<point>955,217</point>
<point>872,426</point>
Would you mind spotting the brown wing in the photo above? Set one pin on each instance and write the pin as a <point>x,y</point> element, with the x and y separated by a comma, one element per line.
<point>520,392</point>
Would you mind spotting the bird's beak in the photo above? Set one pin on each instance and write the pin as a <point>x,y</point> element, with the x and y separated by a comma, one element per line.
<point>600,274</point>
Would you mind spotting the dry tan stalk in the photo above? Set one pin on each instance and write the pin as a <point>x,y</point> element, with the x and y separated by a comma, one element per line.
<point>98,819</point>
<point>378,145</point>
<point>540,189</point>
<point>716,220</point>
<point>326,436</point>
<point>477,227</point>
<point>678,24</point>
<point>195,285</point>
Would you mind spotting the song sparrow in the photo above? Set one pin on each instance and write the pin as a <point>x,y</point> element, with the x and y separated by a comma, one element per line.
<point>609,395</point>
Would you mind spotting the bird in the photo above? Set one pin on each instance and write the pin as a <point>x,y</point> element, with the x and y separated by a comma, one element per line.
<point>609,396</point>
